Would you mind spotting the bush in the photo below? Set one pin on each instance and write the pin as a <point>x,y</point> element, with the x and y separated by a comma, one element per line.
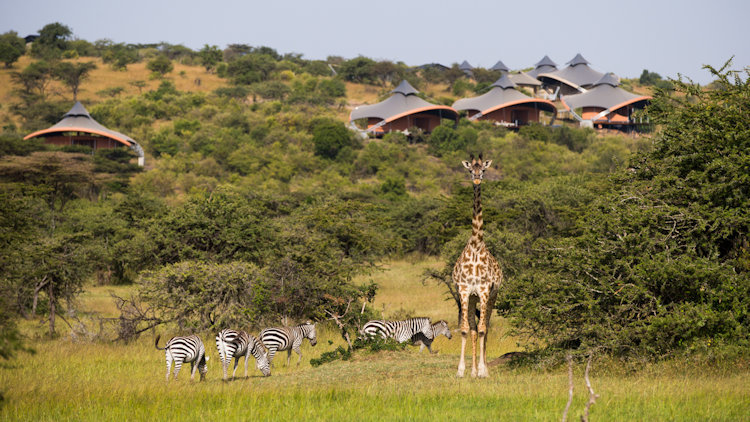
<point>330,138</point>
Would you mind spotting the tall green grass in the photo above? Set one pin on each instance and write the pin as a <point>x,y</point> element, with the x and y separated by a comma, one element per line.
<point>65,381</point>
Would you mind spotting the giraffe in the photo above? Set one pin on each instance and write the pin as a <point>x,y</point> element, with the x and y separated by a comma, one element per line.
<point>477,277</point>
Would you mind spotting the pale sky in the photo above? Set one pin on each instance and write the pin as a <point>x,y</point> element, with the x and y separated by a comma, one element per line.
<point>624,37</point>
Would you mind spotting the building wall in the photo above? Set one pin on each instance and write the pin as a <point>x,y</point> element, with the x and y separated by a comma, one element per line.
<point>95,142</point>
<point>521,115</point>
<point>426,122</point>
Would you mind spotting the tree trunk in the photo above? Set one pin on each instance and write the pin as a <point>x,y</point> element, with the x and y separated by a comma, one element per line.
<point>51,311</point>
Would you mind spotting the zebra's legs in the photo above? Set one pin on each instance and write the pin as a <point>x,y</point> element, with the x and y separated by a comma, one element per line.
<point>299,352</point>
<point>271,353</point>
<point>247,355</point>
<point>169,363</point>
<point>193,368</point>
<point>177,367</point>
<point>236,361</point>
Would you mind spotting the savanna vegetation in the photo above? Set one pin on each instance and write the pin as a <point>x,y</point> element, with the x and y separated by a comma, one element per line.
<point>258,207</point>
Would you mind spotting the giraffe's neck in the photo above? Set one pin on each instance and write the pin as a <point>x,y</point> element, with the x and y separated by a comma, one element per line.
<point>477,235</point>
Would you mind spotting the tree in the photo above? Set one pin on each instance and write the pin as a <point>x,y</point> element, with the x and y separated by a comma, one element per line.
<point>73,74</point>
<point>53,40</point>
<point>33,80</point>
<point>658,263</point>
<point>52,259</point>
<point>330,138</point>
<point>251,68</point>
<point>210,56</point>
<point>160,65</point>
<point>360,70</point>
<point>11,48</point>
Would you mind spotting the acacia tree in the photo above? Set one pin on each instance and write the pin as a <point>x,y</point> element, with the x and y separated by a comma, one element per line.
<point>53,260</point>
<point>53,40</point>
<point>73,74</point>
<point>11,48</point>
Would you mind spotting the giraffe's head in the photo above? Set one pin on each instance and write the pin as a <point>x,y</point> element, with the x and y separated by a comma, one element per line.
<point>476,168</point>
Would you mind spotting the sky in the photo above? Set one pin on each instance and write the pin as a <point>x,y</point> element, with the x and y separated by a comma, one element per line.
<point>625,37</point>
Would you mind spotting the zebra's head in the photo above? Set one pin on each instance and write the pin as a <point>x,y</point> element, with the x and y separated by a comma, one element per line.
<point>261,362</point>
<point>310,333</point>
<point>441,327</point>
<point>203,367</point>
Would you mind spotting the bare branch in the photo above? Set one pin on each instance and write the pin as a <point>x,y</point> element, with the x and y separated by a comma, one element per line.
<point>592,396</point>
<point>569,358</point>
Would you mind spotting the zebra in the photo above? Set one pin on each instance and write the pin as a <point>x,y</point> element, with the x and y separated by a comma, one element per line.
<point>401,331</point>
<point>406,329</point>
<point>233,343</point>
<point>185,349</point>
<point>440,327</point>
<point>287,338</point>
<point>376,326</point>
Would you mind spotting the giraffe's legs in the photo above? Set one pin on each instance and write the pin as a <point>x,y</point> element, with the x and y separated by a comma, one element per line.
<point>482,370</point>
<point>464,333</point>
<point>473,353</point>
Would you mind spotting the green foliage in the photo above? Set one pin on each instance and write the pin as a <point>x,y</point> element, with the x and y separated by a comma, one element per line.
<point>360,70</point>
<point>251,68</point>
<point>199,296</point>
<point>210,56</point>
<point>331,138</point>
<point>119,56</point>
<point>53,40</point>
<point>73,74</point>
<point>657,263</point>
<point>11,48</point>
<point>160,64</point>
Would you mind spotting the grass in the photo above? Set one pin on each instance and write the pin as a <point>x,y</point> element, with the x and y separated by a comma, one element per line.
<point>65,380</point>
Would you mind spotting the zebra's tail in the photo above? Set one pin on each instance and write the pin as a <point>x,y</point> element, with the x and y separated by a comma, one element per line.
<point>156,343</point>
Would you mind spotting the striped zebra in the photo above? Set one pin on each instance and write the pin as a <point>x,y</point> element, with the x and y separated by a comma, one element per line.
<point>288,338</point>
<point>406,329</point>
<point>401,331</point>
<point>374,327</point>
<point>185,349</point>
<point>235,344</point>
<point>440,327</point>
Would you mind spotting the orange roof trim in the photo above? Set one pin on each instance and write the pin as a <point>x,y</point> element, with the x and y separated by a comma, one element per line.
<point>78,129</point>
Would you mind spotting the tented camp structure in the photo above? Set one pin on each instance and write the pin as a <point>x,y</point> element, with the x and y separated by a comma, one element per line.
<point>574,78</point>
<point>505,105</point>
<point>605,104</point>
<point>467,68</point>
<point>77,127</point>
<point>546,65</point>
<point>401,111</point>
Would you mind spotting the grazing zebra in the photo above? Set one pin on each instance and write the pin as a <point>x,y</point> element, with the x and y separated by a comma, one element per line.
<point>401,331</point>
<point>232,343</point>
<point>288,338</point>
<point>440,327</point>
<point>406,329</point>
<point>185,349</point>
<point>376,326</point>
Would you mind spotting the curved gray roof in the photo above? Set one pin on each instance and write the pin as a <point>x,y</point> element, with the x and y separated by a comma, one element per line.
<point>604,94</point>
<point>577,75</point>
<point>403,101</point>
<point>465,66</point>
<point>503,94</point>
<point>500,66</point>
<point>545,65</point>
<point>524,79</point>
